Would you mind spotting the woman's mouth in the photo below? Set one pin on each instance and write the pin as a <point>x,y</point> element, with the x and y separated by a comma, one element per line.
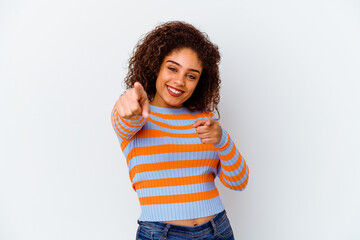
<point>174,92</point>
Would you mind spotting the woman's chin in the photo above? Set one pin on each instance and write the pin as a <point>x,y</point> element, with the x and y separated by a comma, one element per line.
<point>174,104</point>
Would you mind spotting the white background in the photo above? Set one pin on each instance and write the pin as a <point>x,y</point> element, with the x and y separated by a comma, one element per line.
<point>289,99</point>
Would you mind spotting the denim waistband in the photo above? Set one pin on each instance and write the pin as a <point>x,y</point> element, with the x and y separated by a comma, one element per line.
<point>160,226</point>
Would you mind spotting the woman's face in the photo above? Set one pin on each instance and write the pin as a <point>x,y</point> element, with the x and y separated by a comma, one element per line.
<point>177,79</point>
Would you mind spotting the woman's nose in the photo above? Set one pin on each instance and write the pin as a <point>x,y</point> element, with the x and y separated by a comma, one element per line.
<point>179,80</point>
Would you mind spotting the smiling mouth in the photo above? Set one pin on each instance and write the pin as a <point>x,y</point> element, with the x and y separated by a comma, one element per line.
<point>174,92</point>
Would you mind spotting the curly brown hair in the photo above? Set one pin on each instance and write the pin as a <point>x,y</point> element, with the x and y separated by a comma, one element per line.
<point>150,51</point>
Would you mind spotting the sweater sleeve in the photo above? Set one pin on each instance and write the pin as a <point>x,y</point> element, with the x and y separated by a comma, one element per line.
<point>233,171</point>
<point>126,128</point>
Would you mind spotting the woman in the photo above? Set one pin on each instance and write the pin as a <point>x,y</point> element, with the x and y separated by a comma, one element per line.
<point>173,144</point>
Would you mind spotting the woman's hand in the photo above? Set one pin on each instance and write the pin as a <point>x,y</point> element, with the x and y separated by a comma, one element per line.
<point>209,131</point>
<point>133,102</point>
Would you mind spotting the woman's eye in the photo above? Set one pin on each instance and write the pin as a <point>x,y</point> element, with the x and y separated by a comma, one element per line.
<point>191,76</point>
<point>172,69</point>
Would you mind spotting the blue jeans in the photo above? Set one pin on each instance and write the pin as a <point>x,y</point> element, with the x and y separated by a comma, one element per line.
<point>217,228</point>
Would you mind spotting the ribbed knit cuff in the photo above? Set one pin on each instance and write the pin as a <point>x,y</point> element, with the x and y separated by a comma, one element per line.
<point>123,92</point>
<point>224,138</point>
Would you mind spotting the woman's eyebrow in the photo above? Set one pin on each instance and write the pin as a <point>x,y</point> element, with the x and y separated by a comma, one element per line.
<point>191,69</point>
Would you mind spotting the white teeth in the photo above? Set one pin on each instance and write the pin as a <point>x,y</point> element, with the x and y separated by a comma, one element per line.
<point>173,90</point>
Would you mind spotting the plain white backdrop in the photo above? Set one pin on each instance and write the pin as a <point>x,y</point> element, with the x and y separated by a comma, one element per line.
<point>289,99</point>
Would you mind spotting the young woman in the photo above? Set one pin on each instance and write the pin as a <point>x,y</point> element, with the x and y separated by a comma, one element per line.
<point>173,144</point>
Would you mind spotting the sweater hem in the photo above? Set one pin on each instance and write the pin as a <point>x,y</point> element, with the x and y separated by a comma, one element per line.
<point>181,211</point>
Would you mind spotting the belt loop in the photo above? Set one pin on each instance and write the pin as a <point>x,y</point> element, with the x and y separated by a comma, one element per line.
<point>166,230</point>
<point>214,226</point>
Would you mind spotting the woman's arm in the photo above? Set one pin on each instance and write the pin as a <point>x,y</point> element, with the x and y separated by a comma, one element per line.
<point>126,128</point>
<point>233,170</point>
<point>130,112</point>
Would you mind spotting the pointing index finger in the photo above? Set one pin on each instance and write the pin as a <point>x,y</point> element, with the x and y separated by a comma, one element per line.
<point>139,90</point>
<point>145,108</point>
<point>209,122</point>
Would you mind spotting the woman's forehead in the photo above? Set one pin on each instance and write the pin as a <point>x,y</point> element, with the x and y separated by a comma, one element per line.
<point>184,57</point>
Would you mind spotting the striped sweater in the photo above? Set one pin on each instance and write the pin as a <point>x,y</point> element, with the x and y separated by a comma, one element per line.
<point>171,170</point>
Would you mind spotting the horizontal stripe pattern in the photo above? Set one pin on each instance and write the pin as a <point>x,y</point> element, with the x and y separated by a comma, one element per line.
<point>174,181</point>
<point>167,148</point>
<point>170,190</point>
<point>150,167</point>
<point>179,198</point>
<point>124,128</point>
<point>168,157</point>
<point>170,168</point>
